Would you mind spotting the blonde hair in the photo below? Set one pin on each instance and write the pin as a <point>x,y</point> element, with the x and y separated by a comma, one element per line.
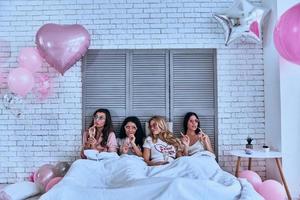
<point>165,134</point>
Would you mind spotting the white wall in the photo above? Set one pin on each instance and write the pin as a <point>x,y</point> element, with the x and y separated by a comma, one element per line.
<point>272,89</point>
<point>290,113</point>
<point>282,97</point>
<point>49,132</point>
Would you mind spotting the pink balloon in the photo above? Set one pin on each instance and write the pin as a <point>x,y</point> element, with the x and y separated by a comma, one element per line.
<point>62,45</point>
<point>52,182</point>
<point>252,177</point>
<point>31,177</point>
<point>30,59</point>
<point>287,34</point>
<point>34,176</point>
<point>20,81</point>
<point>272,190</point>
<point>254,28</point>
<point>44,174</point>
<point>43,87</point>
<point>62,168</point>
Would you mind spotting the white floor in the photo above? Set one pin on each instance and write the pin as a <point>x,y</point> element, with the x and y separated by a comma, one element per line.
<point>31,198</point>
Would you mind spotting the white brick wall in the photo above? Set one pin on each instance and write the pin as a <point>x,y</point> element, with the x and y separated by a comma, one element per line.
<point>51,131</point>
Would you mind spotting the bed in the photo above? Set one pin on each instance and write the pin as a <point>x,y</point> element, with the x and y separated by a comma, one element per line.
<point>113,177</point>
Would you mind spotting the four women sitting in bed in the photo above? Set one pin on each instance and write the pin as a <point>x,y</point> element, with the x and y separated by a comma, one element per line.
<point>159,148</point>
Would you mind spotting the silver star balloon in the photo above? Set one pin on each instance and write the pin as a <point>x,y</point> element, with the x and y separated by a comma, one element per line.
<point>242,21</point>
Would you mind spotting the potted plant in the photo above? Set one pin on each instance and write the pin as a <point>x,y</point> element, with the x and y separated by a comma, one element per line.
<point>249,144</point>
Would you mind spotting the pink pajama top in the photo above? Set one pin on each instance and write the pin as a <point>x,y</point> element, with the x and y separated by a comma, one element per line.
<point>111,145</point>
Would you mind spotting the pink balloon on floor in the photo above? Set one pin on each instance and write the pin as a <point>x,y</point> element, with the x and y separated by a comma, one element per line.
<point>44,174</point>
<point>287,35</point>
<point>20,81</point>
<point>62,168</point>
<point>52,182</point>
<point>252,177</point>
<point>272,190</point>
<point>30,178</point>
<point>30,59</point>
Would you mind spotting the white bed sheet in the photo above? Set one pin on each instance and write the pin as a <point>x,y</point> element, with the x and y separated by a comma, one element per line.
<point>196,177</point>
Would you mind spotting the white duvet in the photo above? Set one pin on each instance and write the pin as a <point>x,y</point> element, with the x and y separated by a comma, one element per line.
<point>112,177</point>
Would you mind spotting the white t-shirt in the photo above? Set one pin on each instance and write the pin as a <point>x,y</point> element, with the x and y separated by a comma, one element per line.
<point>196,147</point>
<point>159,149</point>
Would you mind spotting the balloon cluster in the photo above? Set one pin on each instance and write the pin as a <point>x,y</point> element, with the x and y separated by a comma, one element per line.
<point>269,189</point>
<point>61,53</point>
<point>21,80</point>
<point>48,175</point>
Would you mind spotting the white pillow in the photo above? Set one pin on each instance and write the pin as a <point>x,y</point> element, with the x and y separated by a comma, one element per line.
<point>19,191</point>
<point>147,131</point>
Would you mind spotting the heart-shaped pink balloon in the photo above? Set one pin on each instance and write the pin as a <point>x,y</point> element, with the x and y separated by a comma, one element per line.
<point>62,45</point>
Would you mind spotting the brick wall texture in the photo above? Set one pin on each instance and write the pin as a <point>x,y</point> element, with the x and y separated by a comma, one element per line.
<point>50,131</point>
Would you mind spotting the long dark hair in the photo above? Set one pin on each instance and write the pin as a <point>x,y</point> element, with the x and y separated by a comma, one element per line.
<point>108,127</point>
<point>186,120</point>
<point>139,135</point>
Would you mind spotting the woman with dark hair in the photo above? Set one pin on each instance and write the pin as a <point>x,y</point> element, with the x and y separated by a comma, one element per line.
<point>131,137</point>
<point>193,138</point>
<point>100,135</point>
<point>161,147</point>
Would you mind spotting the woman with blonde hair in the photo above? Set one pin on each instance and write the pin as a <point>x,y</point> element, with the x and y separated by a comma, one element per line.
<point>161,147</point>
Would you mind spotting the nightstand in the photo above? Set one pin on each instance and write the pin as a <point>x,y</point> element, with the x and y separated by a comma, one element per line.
<point>264,155</point>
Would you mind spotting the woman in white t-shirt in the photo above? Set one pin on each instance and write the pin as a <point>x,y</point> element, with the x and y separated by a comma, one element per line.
<point>193,138</point>
<point>161,147</point>
<point>131,137</point>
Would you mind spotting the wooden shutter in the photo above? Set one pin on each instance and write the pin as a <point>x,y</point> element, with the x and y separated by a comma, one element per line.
<point>149,86</point>
<point>193,88</point>
<point>104,84</point>
<point>151,82</point>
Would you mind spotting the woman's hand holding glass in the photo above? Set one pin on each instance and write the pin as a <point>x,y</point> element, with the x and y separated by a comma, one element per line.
<point>166,156</point>
<point>91,142</point>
